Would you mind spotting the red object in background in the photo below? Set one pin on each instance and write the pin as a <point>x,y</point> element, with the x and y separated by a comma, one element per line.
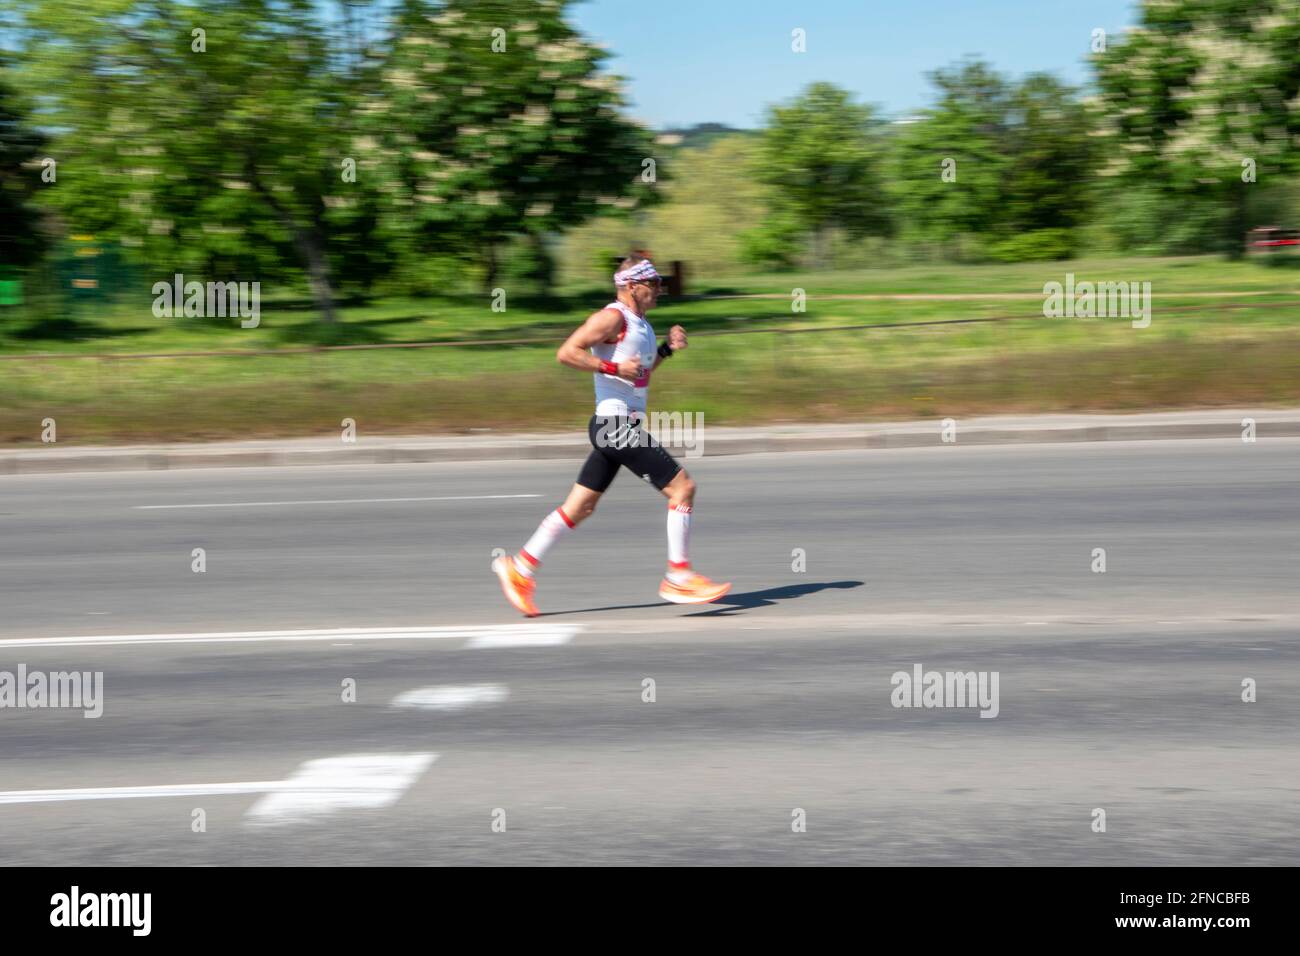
<point>1272,237</point>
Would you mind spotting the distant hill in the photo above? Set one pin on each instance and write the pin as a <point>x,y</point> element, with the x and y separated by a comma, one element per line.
<point>701,134</point>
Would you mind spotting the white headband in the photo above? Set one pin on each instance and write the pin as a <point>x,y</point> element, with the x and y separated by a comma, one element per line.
<point>642,270</point>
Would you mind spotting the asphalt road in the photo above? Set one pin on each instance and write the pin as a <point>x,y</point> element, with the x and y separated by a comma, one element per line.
<point>1118,691</point>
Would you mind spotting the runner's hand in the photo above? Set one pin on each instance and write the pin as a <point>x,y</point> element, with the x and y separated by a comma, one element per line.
<point>630,369</point>
<point>677,338</point>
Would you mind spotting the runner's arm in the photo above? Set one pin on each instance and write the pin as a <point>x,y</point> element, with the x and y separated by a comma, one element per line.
<point>600,327</point>
<point>676,341</point>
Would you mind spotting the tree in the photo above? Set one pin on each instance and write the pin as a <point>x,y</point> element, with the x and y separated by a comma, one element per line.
<point>1050,158</point>
<point>949,164</point>
<point>205,137</point>
<point>711,201</point>
<point>495,119</point>
<point>20,236</point>
<point>1008,163</point>
<point>1201,94</point>
<point>822,156</point>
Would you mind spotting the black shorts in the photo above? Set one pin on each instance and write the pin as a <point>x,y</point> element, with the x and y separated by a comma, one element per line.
<point>622,441</point>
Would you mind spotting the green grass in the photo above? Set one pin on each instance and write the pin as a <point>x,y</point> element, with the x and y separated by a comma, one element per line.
<point>1166,275</point>
<point>1242,350</point>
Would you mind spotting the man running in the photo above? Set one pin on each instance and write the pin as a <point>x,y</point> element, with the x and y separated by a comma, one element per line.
<point>623,355</point>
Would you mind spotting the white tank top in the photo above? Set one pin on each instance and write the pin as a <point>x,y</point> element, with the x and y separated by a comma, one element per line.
<point>618,396</point>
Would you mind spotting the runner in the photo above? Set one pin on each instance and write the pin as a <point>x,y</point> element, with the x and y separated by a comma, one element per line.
<point>623,355</point>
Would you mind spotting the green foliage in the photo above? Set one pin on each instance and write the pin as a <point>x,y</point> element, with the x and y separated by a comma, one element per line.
<point>777,243</point>
<point>1198,89</point>
<point>714,195</point>
<point>711,200</point>
<point>231,154</point>
<point>1037,245</point>
<point>492,134</point>
<point>822,154</point>
<point>490,144</point>
<point>703,134</point>
<point>205,139</point>
<point>1008,163</point>
<point>21,239</point>
<point>962,135</point>
<point>528,264</point>
<point>1050,155</point>
<point>1149,220</point>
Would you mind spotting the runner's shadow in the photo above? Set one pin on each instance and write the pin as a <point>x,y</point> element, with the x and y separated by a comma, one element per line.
<point>731,603</point>
<point>770,597</point>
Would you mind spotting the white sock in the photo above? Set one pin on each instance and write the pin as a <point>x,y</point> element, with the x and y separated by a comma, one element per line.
<point>679,540</point>
<point>553,527</point>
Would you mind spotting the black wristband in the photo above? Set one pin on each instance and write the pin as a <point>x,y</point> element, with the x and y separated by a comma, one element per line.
<point>665,351</point>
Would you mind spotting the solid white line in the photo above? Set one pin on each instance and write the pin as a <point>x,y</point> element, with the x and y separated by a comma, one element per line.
<point>325,501</point>
<point>131,793</point>
<point>505,633</point>
<point>317,787</point>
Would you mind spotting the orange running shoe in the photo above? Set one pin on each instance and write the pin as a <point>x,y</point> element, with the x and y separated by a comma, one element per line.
<point>517,587</point>
<point>697,590</point>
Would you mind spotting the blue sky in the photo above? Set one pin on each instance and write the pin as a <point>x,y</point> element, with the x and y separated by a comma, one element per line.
<point>693,61</point>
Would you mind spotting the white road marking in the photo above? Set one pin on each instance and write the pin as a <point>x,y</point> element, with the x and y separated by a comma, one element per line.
<point>318,787</point>
<point>499,635</point>
<point>132,793</point>
<point>544,635</point>
<point>452,697</point>
<point>353,782</point>
<point>324,501</point>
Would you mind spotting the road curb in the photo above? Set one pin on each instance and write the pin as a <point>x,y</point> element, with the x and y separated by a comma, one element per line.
<point>720,441</point>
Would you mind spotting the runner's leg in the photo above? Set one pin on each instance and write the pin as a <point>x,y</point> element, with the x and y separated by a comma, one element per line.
<point>647,458</point>
<point>680,493</point>
<point>597,473</point>
<point>516,573</point>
